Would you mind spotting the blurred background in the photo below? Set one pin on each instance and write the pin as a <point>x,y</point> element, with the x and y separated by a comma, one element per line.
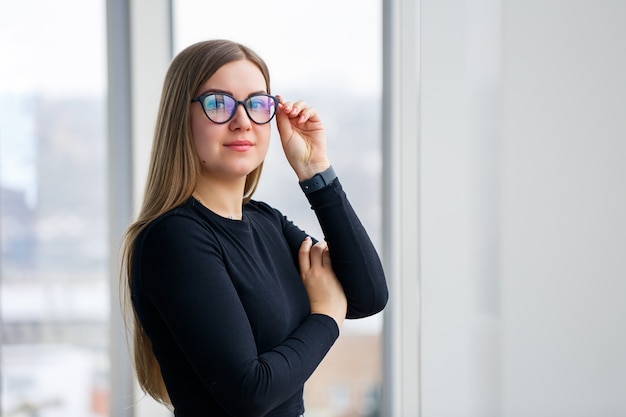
<point>482,143</point>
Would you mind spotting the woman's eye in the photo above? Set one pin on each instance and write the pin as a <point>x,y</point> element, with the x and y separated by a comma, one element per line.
<point>215,103</point>
<point>257,103</point>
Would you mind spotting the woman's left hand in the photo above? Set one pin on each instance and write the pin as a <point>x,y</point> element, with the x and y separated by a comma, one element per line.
<point>303,138</point>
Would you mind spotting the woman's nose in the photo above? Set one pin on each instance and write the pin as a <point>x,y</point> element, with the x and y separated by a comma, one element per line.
<point>241,120</point>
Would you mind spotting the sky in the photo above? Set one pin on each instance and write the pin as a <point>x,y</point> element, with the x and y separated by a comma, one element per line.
<point>47,49</point>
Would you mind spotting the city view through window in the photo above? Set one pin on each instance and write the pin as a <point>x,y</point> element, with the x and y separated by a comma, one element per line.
<point>54,283</point>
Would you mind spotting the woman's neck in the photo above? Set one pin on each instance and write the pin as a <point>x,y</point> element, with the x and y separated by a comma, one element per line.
<point>222,198</point>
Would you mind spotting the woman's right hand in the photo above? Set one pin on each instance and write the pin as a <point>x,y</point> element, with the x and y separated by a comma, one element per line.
<point>326,294</point>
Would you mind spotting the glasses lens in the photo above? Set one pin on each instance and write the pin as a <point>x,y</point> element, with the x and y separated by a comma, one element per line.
<point>219,107</point>
<point>261,108</point>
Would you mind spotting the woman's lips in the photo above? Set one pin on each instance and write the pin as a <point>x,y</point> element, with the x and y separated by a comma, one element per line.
<point>239,145</point>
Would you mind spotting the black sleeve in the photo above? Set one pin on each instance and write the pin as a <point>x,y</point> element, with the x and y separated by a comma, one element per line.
<point>190,287</point>
<point>354,258</point>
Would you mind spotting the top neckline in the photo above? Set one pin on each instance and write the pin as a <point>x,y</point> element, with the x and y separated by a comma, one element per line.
<point>197,203</point>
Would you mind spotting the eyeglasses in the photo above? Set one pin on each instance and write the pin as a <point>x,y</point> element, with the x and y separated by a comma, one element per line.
<point>221,107</point>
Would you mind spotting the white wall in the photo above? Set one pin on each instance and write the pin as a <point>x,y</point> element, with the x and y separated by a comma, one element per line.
<point>564,208</point>
<point>523,208</point>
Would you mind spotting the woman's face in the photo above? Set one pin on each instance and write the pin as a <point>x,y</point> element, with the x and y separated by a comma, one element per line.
<point>231,150</point>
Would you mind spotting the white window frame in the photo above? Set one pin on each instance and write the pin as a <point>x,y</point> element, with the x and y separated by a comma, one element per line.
<point>401,229</point>
<point>139,44</point>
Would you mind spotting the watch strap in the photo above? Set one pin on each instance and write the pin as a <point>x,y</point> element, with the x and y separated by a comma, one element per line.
<point>318,181</point>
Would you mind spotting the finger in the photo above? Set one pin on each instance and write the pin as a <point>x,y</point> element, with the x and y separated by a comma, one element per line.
<point>284,106</point>
<point>304,256</point>
<point>306,115</point>
<point>293,109</point>
<point>298,107</point>
<point>283,118</point>
<point>316,254</point>
<point>283,124</point>
<point>326,257</point>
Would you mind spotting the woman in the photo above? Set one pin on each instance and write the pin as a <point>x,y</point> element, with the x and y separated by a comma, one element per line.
<point>234,306</point>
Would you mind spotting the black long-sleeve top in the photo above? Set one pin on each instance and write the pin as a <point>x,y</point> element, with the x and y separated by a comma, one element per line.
<point>224,306</point>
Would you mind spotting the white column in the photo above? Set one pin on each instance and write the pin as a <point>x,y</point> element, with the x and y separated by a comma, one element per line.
<point>119,196</point>
<point>401,231</point>
<point>151,40</point>
<point>139,51</point>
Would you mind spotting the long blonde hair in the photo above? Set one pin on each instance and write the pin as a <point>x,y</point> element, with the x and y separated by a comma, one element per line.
<point>173,175</point>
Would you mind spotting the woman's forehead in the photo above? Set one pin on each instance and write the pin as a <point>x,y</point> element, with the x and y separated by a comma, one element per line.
<point>241,76</point>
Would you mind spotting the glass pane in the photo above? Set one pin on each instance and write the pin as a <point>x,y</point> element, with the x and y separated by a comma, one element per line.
<point>54,291</point>
<point>330,56</point>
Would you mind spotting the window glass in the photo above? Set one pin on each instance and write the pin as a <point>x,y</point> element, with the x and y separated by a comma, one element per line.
<point>328,54</point>
<point>54,291</point>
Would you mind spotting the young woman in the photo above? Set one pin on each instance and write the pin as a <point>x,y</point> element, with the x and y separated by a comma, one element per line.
<point>234,306</point>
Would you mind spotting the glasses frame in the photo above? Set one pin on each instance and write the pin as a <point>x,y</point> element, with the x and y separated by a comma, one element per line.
<point>201,98</point>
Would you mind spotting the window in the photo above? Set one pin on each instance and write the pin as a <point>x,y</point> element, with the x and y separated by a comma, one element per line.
<point>54,287</point>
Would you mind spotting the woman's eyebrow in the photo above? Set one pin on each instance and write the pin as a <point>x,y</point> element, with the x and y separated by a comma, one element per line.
<point>218,91</point>
<point>257,92</point>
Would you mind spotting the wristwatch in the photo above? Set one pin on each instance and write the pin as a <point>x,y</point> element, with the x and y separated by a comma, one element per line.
<point>318,181</point>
